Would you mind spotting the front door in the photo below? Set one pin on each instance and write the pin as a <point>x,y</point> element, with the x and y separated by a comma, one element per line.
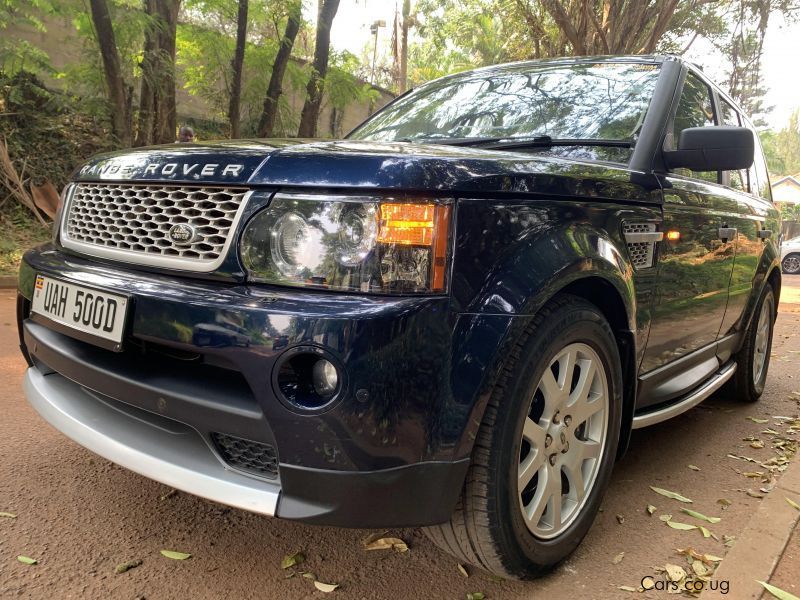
<point>696,256</point>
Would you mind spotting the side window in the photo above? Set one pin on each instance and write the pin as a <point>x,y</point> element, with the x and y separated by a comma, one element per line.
<point>729,116</point>
<point>694,110</point>
<point>759,176</point>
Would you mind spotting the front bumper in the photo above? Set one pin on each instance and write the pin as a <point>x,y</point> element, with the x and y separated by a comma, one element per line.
<point>141,441</point>
<point>397,459</point>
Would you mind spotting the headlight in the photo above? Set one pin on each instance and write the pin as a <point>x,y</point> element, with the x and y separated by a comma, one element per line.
<point>349,243</point>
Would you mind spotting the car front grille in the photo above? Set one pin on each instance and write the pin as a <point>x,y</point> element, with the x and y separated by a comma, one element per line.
<point>173,226</point>
<point>254,457</point>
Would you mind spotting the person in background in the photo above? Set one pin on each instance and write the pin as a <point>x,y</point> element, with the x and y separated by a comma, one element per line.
<point>185,134</point>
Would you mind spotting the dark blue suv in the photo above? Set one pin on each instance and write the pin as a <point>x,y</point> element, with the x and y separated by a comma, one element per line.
<point>453,318</point>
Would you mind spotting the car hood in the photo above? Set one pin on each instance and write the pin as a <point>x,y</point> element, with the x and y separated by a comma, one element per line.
<point>364,166</point>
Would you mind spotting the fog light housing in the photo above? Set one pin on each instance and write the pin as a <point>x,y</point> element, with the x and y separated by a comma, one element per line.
<point>307,378</point>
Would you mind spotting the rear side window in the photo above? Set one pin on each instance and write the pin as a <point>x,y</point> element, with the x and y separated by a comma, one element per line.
<point>695,109</point>
<point>759,176</point>
<point>730,116</point>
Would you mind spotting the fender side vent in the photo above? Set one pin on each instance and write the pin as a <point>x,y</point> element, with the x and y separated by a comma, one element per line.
<point>641,239</point>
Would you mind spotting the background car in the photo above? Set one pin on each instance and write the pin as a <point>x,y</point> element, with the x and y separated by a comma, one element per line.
<point>790,256</point>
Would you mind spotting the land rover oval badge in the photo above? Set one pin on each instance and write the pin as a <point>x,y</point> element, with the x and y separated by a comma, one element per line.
<point>182,234</point>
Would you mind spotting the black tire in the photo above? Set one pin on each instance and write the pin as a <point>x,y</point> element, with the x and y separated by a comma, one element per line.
<point>487,528</point>
<point>791,264</point>
<point>744,385</point>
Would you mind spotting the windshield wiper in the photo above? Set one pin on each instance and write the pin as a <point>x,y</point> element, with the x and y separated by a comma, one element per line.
<point>546,141</point>
<point>539,141</point>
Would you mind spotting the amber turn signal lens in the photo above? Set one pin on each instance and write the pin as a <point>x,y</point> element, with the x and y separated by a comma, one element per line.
<point>408,224</point>
<point>413,224</point>
<point>673,236</point>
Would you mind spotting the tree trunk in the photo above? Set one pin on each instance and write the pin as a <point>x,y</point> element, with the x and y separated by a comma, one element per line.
<point>165,123</point>
<point>144,132</point>
<point>157,111</point>
<point>237,64</point>
<point>403,50</point>
<point>266,125</point>
<point>316,84</point>
<point>115,82</point>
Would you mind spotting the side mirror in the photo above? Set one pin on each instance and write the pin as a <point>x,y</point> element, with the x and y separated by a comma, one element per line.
<point>719,148</point>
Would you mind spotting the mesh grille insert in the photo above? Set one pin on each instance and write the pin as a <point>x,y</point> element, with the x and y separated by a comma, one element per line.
<point>641,253</point>
<point>253,457</point>
<point>137,220</point>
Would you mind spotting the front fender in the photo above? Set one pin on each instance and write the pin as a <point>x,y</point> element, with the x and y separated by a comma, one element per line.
<point>512,258</point>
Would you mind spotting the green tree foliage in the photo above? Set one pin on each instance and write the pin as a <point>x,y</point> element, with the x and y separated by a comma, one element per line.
<point>18,55</point>
<point>782,148</point>
<point>460,34</point>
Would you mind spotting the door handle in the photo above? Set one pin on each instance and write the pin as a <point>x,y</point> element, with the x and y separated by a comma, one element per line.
<point>765,234</point>
<point>727,233</point>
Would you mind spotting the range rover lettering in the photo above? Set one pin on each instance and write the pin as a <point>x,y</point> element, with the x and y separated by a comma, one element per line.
<point>453,318</point>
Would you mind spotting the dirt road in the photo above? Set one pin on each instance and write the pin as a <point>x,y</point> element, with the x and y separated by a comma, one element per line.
<point>80,516</point>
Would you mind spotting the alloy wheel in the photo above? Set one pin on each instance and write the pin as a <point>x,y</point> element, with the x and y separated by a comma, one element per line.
<point>791,264</point>
<point>761,346</point>
<point>563,439</point>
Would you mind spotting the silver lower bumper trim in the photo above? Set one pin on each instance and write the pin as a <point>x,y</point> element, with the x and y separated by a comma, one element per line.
<point>172,455</point>
<point>690,401</point>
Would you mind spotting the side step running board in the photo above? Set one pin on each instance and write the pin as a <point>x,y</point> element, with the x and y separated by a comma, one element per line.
<point>690,401</point>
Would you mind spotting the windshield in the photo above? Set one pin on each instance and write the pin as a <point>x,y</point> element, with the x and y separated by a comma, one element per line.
<point>591,101</point>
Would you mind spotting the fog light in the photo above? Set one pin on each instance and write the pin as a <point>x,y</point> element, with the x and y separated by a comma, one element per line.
<point>325,377</point>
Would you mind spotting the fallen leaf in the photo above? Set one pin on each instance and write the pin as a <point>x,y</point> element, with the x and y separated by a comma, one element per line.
<point>8,515</point>
<point>701,516</point>
<point>618,558</point>
<point>669,494</point>
<point>705,531</point>
<point>675,573</point>
<point>700,569</point>
<point>724,502</point>
<point>729,540</point>
<point>27,560</point>
<point>792,503</point>
<point>681,526</point>
<point>389,543</point>
<point>753,494</point>
<point>778,592</point>
<point>695,555</point>
<point>665,518</point>
<point>325,587</point>
<point>620,519</point>
<point>169,494</point>
<point>757,420</point>
<point>651,509</point>
<point>627,588</point>
<point>290,560</point>
<point>476,596</point>
<point>309,575</point>
<point>175,555</point>
<point>694,467</point>
<point>462,569</point>
<point>757,444</point>
<point>127,566</point>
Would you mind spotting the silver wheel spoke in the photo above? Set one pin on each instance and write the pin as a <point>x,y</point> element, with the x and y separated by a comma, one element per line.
<point>586,449</point>
<point>552,393</point>
<point>530,465</point>
<point>545,497</point>
<point>577,487</point>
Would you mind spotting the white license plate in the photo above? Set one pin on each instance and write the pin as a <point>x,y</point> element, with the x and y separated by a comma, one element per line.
<point>82,308</point>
